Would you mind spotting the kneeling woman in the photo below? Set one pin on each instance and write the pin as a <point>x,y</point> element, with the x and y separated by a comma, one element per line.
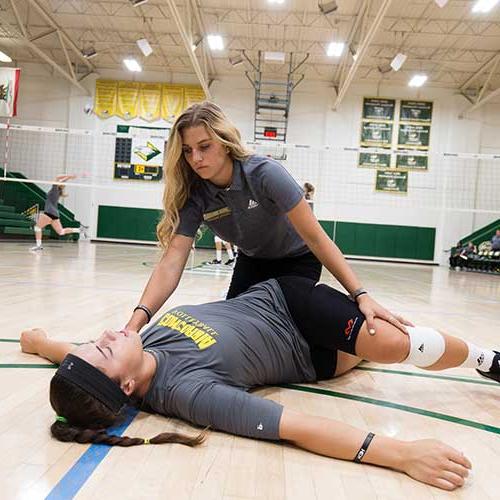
<point>197,363</point>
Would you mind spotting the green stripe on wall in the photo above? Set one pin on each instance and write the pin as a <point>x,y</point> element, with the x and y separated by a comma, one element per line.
<point>365,240</point>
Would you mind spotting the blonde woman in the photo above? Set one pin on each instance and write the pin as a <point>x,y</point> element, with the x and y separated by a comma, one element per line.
<point>50,214</point>
<point>249,200</point>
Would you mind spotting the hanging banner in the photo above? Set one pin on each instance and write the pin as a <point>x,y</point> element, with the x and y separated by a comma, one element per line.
<point>128,100</point>
<point>412,162</point>
<point>172,101</point>
<point>150,101</point>
<point>378,109</point>
<point>374,160</point>
<point>415,111</point>
<point>139,153</point>
<point>106,93</point>
<point>9,89</point>
<point>376,134</point>
<point>391,181</point>
<point>413,136</point>
<point>193,95</point>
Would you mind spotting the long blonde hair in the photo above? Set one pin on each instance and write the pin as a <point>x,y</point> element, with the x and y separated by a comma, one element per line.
<point>179,177</point>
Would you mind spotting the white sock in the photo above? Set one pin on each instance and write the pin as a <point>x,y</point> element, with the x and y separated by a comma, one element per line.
<point>218,254</point>
<point>230,253</point>
<point>479,358</point>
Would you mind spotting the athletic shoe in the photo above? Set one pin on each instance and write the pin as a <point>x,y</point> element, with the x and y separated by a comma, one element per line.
<point>36,248</point>
<point>229,262</point>
<point>494,371</point>
<point>215,261</point>
<point>84,231</point>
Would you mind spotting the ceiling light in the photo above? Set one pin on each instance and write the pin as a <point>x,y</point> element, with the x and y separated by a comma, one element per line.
<point>276,1</point>
<point>417,80</point>
<point>132,65</point>
<point>197,39</point>
<point>335,49</point>
<point>89,52</point>
<point>277,57</point>
<point>236,60</point>
<point>144,46</point>
<point>398,61</point>
<point>328,7</point>
<point>441,3</point>
<point>4,57</point>
<point>484,5</point>
<point>215,42</point>
<point>137,3</point>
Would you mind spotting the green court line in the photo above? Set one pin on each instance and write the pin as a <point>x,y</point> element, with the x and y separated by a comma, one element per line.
<point>395,406</point>
<point>427,375</point>
<point>9,340</point>
<point>25,365</point>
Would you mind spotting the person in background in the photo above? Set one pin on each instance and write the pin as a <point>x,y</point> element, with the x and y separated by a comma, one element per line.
<point>309,191</point>
<point>495,241</point>
<point>50,214</point>
<point>218,252</point>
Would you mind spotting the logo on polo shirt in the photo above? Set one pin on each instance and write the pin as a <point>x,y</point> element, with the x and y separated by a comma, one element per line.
<point>252,204</point>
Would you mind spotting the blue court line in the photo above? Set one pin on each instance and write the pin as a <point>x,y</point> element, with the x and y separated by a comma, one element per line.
<point>75,478</point>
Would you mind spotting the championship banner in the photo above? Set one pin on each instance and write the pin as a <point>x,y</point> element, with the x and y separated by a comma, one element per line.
<point>376,134</point>
<point>415,111</point>
<point>9,89</point>
<point>172,101</point>
<point>128,99</point>
<point>413,136</point>
<point>106,92</point>
<point>412,162</point>
<point>150,101</point>
<point>193,95</point>
<point>378,109</point>
<point>392,181</point>
<point>374,160</point>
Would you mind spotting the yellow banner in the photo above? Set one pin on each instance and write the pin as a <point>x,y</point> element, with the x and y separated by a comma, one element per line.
<point>172,101</point>
<point>193,94</point>
<point>150,101</point>
<point>128,99</point>
<point>106,92</point>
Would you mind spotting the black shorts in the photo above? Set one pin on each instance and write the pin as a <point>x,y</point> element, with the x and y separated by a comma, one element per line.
<point>249,271</point>
<point>328,319</point>
<point>53,217</point>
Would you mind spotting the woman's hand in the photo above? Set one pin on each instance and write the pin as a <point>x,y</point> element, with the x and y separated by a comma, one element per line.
<point>30,340</point>
<point>435,463</point>
<point>372,309</point>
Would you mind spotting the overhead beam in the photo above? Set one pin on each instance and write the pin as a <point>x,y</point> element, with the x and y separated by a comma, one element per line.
<point>187,44</point>
<point>481,102</point>
<point>201,27</point>
<point>362,51</point>
<point>480,71</point>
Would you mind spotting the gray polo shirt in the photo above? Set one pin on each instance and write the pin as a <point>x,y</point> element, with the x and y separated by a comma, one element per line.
<point>209,355</point>
<point>251,213</point>
<point>52,201</point>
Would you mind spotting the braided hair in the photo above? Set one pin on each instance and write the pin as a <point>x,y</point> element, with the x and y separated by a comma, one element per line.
<point>86,419</point>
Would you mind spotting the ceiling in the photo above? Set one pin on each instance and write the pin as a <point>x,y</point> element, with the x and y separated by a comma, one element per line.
<point>456,48</point>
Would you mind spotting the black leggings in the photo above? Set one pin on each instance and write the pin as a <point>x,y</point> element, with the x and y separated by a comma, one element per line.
<point>249,271</point>
<point>326,318</point>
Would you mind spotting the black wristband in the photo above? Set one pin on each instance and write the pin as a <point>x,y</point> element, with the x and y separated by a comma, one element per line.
<point>361,453</point>
<point>146,310</point>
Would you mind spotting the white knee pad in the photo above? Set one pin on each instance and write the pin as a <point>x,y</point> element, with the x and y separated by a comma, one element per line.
<point>37,229</point>
<point>426,346</point>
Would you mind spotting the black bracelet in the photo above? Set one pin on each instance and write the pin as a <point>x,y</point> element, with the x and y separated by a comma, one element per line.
<point>146,310</point>
<point>361,453</point>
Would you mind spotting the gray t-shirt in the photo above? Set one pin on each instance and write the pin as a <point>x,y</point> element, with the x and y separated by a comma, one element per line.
<point>495,242</point>
<point>251,213</point>
<point>52,200</point>
<point>209,355</point>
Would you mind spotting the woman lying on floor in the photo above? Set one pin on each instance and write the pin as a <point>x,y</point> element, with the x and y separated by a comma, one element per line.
<point>198,362</point>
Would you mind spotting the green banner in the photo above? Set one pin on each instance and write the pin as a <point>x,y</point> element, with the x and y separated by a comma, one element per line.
<point>391,181</point>
<point>415,111</point>
<point>413,136</point>
<point>376,134</point>
<point>374,160</point>
<point>411,162</point>
<point>378,109</point>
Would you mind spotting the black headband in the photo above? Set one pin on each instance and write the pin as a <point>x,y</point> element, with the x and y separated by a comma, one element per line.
<point>92,380</point>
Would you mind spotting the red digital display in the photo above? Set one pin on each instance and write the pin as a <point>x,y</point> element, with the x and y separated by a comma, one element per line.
<point>270,132</point>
